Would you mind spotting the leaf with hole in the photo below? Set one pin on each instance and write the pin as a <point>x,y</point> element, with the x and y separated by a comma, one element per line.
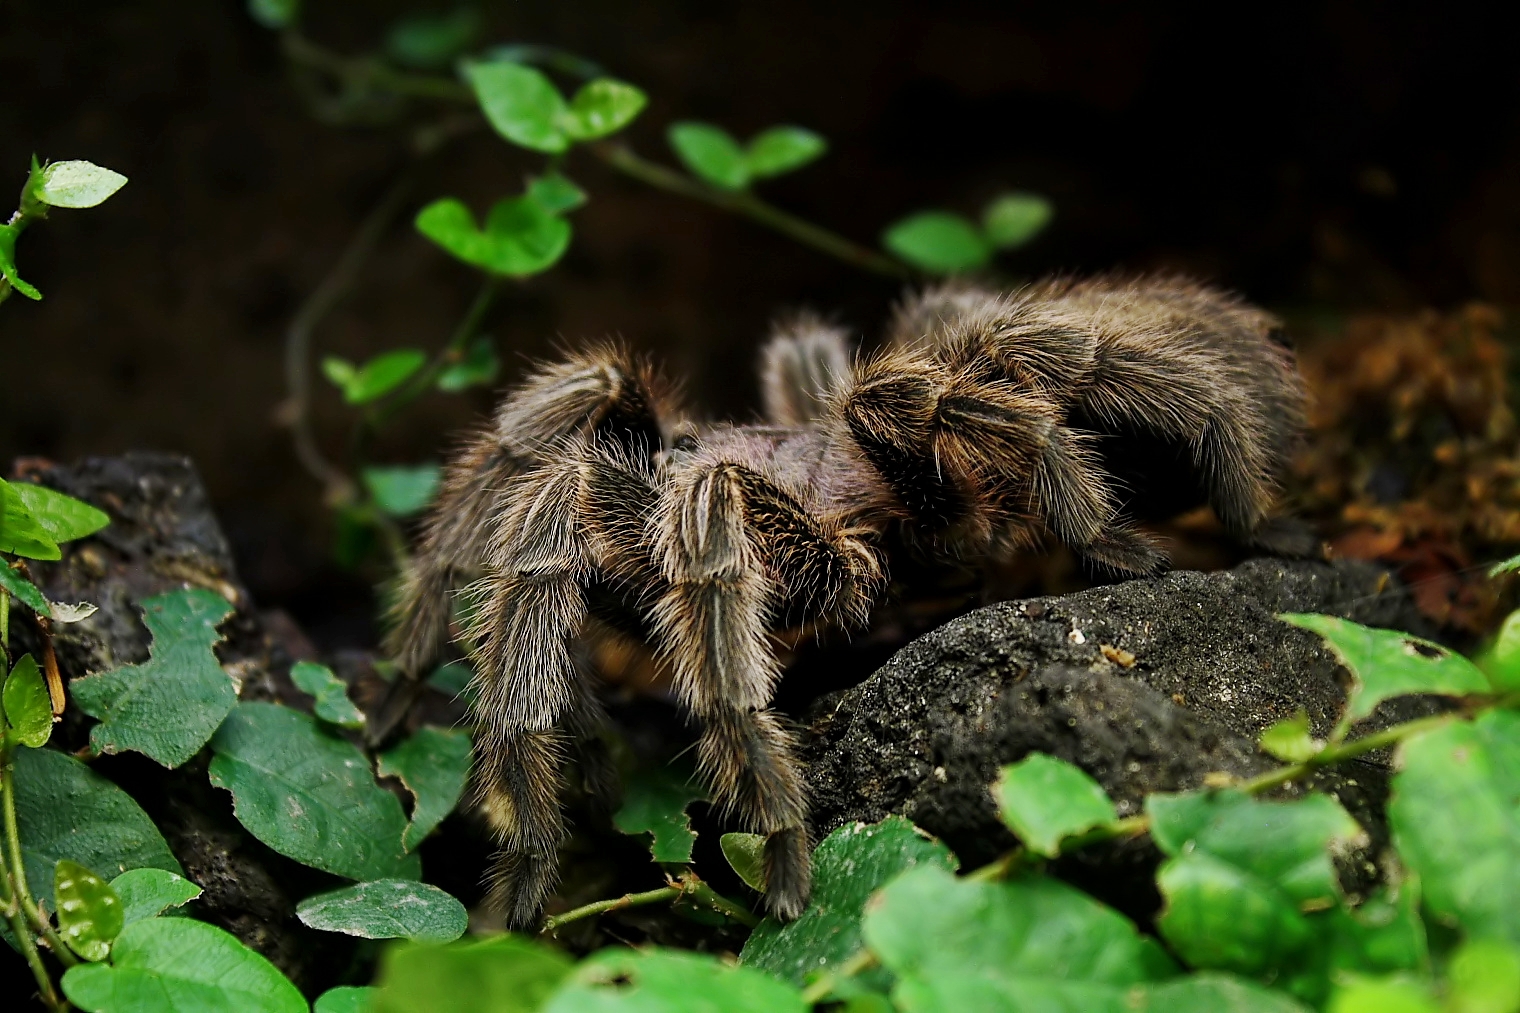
<point>308,794</point>
<point>1013,219</point>
<point>179,965</point>
<point>1024,945</point>
<point>938,242</point>
<point>1456,822</point>
<point>65,810</point>
<point>89,913</point>
<point>387,909</point>
<point>27,707</point>
<point>710,153</point>
<point>521,104</point>
<point>148,893</point>
<point>330,692</point>
<point>501,974</point>
<point>783,149</point>
<point>654,803</point>
<point>1386,663</point>
<point>402,491</point>
<point>169,706</point>
<point>670,981</point>
<point>20,533</point>
<point>849,866</point>
<point>478,368</point>
<point>434,765</point>
<point>1044,800</point>
<point>746,856</point>
<point>64,518</point>
<point>76,184</point>
<point>602,107</point>
<point>1289,740</point>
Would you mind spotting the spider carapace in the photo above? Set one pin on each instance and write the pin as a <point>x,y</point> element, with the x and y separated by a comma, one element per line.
<point>978,427</point>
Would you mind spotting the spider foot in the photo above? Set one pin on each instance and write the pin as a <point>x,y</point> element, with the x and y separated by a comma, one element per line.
<point>788,873</point>
<point>520,883</point>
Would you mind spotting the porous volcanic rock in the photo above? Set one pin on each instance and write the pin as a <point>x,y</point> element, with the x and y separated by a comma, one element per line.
<point>1150,685</point>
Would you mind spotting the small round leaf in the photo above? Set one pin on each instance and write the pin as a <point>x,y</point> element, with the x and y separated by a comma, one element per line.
<point>521,104</point>
<point>1015,218</point>
<point>783,149</point>
<point>1289,739</point>
<point>603,107</point>
<point>90,914</point>
<point>1045,800</point>
<point>938,242</point>
<point>711,153</point>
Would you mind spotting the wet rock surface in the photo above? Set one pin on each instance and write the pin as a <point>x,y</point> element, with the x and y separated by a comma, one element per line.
<point>1150,685</point>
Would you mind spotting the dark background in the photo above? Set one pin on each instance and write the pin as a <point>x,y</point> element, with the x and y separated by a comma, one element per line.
<point>1319,158</point>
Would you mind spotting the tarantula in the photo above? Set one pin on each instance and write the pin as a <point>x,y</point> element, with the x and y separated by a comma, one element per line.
<point>593,507</point>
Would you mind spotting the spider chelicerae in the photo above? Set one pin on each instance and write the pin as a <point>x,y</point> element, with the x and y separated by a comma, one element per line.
<point>592,506</point>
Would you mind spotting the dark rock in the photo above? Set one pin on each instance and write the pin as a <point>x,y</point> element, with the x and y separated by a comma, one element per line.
<point>1150,685</point>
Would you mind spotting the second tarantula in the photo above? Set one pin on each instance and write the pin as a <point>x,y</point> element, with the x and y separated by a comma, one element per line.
<point>592,507</point>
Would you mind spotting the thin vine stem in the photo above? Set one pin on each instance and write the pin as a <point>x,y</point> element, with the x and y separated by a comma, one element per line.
<point>687,884</point>
<point>862,960</point>
<point>23,894</point>
<point>450,354</point>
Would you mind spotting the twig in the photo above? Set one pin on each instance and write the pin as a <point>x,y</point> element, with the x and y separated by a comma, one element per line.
<point>687,884</point>
<point>50,671</point>
<point>1334,754</point>
<point>744,202</point>
<point>327,295</point>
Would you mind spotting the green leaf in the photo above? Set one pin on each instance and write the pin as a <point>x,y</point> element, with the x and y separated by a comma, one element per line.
<point>1391,995</point>
<point>746,856</point>
<point>603,107</point>
<point>556,193</point>
<point>521,104</point>
<point>1029,944</point>
<point>1502,661</point>
<point>654,802</point>
<point>1286,843</point>
<point>309,794</point>
<point>1455,816</point>
<point>1384,934</point>
<point>432,42</point>
<point>387,909</point>
<point>170,705</point>
<point>8,236</point>
<point>345,999</point>
<point>1484,977</point>
<point>331,693</point>
<point>1387,663</point>
<point>1044,800</point>
<point>710,153</point>
<point>402,491</point>
<point>89,912</point>
<point>179,965</point>
<point>76,184</point>
<point>376,378</point>
<point>669,981</point>
<point>478,368</point>
<point>24,590</point>
<point>64,518</point>
<point>1243,872</point>
<point>274,13</point>
<point>849,866</point>
<point>520,238</point>
<point>1289,740</point>
<point>28,708</point>
<point>20,533</point>
<point>66,810</point>
<point>1209,992</point>
<point>1013,219</point>
<point>938,242</point>
<point>434,765</point>
<point>147,893</point>
<point>781,150</point>
<point>504,974</point>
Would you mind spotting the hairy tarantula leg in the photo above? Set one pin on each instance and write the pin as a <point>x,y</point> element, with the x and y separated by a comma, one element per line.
<point>600,392</point>
<point>803,366</point>
<point>712,624</point>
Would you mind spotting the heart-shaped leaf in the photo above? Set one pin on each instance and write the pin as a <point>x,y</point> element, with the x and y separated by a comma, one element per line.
<point>521,104</point>
<point>28,708</point>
